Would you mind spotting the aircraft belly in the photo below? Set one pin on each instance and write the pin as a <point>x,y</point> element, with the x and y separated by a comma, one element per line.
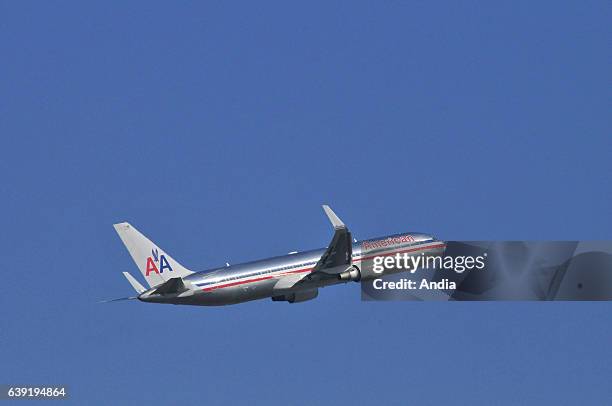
<point>256,290</point>
<point>236,294</point>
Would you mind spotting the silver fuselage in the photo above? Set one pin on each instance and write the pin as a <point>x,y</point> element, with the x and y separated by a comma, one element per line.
<point>257,279</point>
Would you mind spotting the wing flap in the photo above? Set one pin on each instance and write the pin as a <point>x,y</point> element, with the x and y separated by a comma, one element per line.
<point>288,281</point>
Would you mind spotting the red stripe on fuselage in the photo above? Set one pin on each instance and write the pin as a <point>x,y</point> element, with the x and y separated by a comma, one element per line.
<point>263,278</point>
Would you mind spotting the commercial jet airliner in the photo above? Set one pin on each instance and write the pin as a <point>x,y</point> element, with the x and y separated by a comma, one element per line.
<point>292,278</point>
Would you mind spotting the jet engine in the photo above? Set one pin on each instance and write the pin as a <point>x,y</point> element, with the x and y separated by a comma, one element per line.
<point>351,274</point>
<point>297,297</point>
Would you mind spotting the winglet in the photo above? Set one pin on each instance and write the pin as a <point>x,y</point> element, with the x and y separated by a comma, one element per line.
<point>135,284</point>
<point>335,220</point>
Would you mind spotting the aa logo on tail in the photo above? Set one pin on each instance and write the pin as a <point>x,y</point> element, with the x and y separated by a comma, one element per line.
<point>161,259</point>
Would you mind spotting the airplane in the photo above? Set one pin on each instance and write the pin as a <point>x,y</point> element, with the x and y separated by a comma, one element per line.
<point>295,277</point>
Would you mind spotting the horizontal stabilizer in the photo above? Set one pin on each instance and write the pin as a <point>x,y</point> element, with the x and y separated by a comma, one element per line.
<point>135,284</point>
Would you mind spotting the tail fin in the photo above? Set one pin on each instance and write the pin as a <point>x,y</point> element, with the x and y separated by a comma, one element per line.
<point>155,265</point>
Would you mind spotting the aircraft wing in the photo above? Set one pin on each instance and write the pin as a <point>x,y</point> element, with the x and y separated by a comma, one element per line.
<point>337,257</point>
<point>335,260</point>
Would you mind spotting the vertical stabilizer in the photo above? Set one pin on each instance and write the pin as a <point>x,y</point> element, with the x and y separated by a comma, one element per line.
<point>155,265</point>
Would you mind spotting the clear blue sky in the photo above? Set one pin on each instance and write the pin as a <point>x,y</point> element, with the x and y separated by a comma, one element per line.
<point>219,129</point>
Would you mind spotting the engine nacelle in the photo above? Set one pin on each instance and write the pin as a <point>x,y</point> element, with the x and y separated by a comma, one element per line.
<point>297,297</point>
<point>351,274</point>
